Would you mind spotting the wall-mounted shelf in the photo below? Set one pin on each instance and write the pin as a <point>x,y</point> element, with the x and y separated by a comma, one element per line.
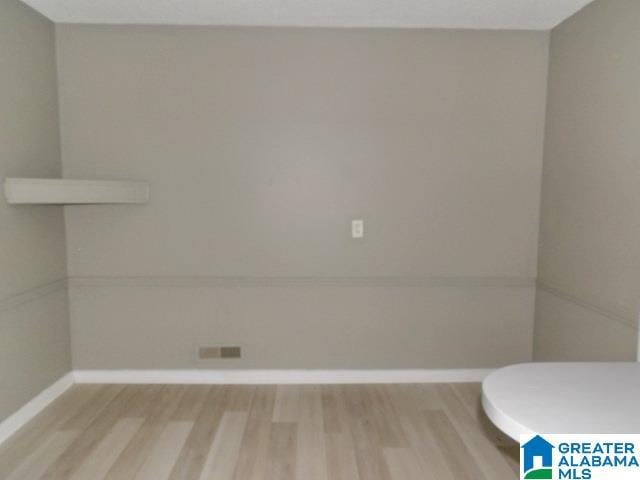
<point>43,191</point>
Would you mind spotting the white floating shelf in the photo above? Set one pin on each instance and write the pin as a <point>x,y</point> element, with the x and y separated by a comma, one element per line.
<point>43,191</point>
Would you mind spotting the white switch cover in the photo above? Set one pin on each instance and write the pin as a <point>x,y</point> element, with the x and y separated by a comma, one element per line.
<point>357,228</point>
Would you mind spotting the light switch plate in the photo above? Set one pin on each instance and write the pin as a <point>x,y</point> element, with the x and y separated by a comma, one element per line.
<point>357,228</point>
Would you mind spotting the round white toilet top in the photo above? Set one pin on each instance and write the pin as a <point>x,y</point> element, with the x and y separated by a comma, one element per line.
<point>554,398</point>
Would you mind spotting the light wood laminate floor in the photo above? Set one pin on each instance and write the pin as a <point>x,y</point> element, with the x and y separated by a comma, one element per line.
<point>198,432</point>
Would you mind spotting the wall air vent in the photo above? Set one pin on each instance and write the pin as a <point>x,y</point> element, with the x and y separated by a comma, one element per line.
<point>210,353</point>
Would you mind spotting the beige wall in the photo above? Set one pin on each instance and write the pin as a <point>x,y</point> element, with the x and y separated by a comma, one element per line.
<point>260,146</point>
<point>34,331</point>
<point>329,326</point>
<point>590,234</point>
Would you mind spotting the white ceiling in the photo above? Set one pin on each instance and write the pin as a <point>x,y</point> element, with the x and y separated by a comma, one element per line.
<point>479,14</point>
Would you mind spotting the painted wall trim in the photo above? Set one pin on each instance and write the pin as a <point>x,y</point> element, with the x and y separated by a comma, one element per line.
<point>28,296</point>
<point>625,318</point>
<point>18,419</point>
<point>312,281</point>
<point>270,377</point>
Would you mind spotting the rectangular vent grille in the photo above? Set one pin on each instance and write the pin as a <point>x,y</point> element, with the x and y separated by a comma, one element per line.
<point>208,353</point>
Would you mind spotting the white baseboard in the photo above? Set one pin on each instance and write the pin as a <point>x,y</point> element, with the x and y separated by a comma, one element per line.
<point>257,377</point>
<point>232,377</point>
<point>14,422</point>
